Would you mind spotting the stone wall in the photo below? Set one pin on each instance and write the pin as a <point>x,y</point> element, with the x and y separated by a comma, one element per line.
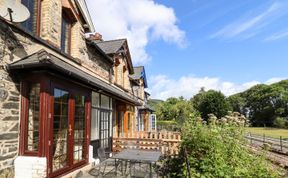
<point>97,63</point>
<point>122,78</point>
<point>78,44</point>
<point>9,104</point>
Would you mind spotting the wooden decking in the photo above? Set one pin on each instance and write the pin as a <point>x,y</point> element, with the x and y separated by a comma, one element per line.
<point>166,142</point>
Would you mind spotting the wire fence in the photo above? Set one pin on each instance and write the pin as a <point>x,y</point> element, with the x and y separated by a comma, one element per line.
<point>279,145</point>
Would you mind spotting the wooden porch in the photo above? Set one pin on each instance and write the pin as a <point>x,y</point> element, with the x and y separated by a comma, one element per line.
<point>165,141</point>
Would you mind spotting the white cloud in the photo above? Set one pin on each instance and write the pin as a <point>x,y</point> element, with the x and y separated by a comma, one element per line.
<point>137,20</point>
<point>277,36</point>
<point>252,23</point>
<point>274,80</point>
<point>161,87</point>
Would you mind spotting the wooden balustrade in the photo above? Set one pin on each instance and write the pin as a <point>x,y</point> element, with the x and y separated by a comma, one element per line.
<point>166,142</point>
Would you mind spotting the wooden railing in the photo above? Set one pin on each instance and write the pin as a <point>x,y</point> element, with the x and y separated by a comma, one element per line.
<point>166,142</point>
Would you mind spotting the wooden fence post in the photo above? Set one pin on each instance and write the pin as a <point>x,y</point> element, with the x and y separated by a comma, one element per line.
<point>281,146</point>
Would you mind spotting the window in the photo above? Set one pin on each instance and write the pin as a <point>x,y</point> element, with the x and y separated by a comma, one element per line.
<point>65,33</point>
<point>142,122</point>
<point>129,120</point>
<point>101,121</point>
<point>32,23</point>
<point>153,122</point>
<point>32,126</point>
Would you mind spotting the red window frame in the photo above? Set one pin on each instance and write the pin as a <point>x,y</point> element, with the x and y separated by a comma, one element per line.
<point>46,121</point>
<point>73,90</point>
<point>25,85</point>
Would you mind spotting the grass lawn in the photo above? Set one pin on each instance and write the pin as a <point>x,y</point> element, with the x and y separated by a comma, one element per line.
<point>270,132</point>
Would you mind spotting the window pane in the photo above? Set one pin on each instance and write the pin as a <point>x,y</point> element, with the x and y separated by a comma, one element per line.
<point>31,23</point>
<point>95,99</point>
<point>153,124</point>
<point>94,125</point>
<point>33,117</point>
<point>79,128</point>
<point>111,124</point>
<point>110,103</point>
<point>60,129</point>
<point>105,102</point>
<point>129,120</point>
<point>65,34</point>
<point>104,132</point>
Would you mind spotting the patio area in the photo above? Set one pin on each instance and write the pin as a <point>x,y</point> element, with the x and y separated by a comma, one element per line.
<point>137,172</point>
<point>135,155</point>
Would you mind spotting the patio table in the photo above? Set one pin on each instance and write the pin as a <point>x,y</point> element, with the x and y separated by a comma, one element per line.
<point>136,155</point>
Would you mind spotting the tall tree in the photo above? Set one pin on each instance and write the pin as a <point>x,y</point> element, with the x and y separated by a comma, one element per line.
<point>266,102</point>
<point>211,102</point>
<point>237,103</point>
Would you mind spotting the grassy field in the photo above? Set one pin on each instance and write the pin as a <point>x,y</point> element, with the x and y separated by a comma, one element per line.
<point>270,132</point>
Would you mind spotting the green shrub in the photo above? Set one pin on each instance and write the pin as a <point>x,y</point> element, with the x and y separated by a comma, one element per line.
<point>217,149</point>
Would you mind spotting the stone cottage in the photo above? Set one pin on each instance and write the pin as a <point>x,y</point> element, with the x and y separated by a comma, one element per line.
<point>63,94</point>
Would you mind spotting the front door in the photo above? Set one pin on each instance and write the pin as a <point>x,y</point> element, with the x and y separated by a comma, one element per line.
<point>69,127</point>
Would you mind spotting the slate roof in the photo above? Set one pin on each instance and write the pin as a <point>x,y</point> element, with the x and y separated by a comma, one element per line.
<point>111,47</point>
<point>43,59</point>
<point>139,72</point>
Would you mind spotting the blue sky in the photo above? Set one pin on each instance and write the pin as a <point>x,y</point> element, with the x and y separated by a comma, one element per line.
<point>223,45</point>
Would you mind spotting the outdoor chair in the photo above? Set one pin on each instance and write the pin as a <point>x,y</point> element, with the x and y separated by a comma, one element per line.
<point>100,169</point>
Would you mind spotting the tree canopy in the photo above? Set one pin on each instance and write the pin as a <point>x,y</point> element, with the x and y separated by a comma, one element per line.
<point>176,109</point>
<point>262,104</point>
<point>211,102</point>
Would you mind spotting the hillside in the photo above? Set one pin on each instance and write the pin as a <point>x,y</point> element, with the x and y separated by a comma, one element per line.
<point>154,102</point>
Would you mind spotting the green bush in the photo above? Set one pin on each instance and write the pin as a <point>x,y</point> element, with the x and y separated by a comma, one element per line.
<point>217,149</point>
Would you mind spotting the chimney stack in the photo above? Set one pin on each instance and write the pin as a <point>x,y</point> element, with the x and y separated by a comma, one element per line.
<point>95,37</point>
